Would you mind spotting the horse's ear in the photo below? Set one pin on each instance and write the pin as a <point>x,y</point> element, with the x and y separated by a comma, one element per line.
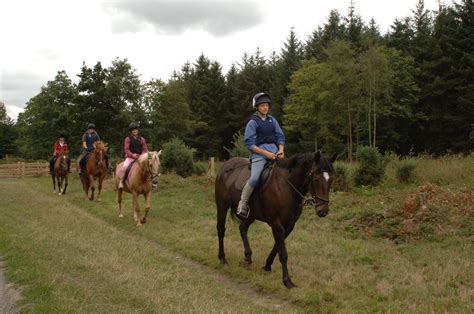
<point>333,158</point>
<point>317,157</point>
<point>159,153</point>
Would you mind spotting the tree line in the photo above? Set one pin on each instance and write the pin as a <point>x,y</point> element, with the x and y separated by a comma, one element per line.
<point>410,90</point>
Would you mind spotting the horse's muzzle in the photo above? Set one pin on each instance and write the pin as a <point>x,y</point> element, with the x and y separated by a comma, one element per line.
<point>322,211</point>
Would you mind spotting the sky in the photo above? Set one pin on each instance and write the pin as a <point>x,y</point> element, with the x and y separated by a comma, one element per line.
<point>40,38</point>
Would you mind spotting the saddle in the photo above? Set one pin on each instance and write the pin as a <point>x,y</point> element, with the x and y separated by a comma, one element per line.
<point>128,171</point>
<point>264,176</point>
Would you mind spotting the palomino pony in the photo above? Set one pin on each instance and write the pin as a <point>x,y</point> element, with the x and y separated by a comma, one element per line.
<point>96,167</point>
<point>60,173</point>
<point>143,175</point>
<point>278,202</point>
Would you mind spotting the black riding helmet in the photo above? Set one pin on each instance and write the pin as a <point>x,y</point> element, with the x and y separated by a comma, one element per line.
<point>91,126</point>
<point>61,135</point>
<point>260,98</point>
<point>132,126</point>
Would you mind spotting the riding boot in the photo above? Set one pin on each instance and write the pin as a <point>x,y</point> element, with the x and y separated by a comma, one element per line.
<point>51,166</point>
<point>243,208</point>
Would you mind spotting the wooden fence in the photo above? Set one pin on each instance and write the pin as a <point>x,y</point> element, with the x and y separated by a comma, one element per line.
<point>25,169</point>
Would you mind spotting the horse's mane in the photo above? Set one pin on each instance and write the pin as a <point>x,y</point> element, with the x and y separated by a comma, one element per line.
<point>305,159</point>
<point>295,160</point>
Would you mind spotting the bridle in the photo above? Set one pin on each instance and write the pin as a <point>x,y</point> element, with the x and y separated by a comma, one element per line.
<point>150,174</point>
<point>314,197</point>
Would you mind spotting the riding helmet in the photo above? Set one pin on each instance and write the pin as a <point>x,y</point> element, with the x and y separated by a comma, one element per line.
<point>260,98</point>
<point>61,135</point>
<point>91,126</point>
<point>132,126</point>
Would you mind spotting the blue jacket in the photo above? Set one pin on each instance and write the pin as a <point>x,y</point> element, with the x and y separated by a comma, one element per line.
<point>90,139</point>
<point>252,138</point>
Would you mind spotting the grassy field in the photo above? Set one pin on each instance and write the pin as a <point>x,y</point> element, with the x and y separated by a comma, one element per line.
<point>377,250</point>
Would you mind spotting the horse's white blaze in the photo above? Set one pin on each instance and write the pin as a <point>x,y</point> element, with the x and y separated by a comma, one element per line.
<point>326,176</point>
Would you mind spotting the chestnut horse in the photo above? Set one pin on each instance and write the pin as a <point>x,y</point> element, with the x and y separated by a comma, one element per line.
<point>96,167</point>
<point>278,202</point>
<point>60,173</point>
<point>143,175</point>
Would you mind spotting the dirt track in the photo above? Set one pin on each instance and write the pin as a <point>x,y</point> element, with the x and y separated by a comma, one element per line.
<point>8,295</point>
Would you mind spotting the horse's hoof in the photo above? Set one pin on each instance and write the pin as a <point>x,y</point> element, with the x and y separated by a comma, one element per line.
<point>246,264</point>
<point>265,268</point>
<point>120,215</point>
<point>139,224</point>
<point>143,221</point>
<point>223,261</point>
<point>60,193</point>
<point>99,199</point>
<point>289,284</point>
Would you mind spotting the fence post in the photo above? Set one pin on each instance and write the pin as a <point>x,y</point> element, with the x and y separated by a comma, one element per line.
<point>211,174</point>
<point>23,169</point>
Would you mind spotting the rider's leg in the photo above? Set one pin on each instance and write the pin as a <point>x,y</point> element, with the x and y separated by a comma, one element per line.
<point>121,173</point>
<point>79,161</point>
<point>51,165</point>
<point>257,167</point>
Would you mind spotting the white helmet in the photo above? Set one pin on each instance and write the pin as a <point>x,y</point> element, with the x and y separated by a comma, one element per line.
<point>260,98</point>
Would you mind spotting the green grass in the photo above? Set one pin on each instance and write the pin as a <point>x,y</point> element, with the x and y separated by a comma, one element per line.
<point>70,254</point>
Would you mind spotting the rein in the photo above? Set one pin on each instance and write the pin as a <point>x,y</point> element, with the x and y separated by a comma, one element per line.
<point>313,198</point>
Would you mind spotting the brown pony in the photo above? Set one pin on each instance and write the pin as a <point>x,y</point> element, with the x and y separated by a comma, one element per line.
<point>143,175</point>
<point>60,173</point>
<point>278,202</point>
<point>96,167</point>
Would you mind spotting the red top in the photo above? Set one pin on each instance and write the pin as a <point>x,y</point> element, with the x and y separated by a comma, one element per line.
<point>58,148</point>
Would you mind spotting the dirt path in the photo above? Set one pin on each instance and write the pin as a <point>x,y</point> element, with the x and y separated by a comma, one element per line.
<point>245,291</point>
<point>8,295</point>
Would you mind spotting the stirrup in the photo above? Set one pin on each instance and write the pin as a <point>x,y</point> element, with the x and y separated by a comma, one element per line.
<point>243,212</point>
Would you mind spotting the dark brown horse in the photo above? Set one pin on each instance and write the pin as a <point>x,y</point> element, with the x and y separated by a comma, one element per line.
<point>143,174</point>
<point>96,167</point>
<point>60,173</point>
<point>278,202</point>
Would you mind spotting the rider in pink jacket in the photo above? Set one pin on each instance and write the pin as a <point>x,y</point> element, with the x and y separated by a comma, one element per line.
<point>134,145</point>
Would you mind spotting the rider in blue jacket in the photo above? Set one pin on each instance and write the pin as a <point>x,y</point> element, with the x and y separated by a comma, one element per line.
<point>265,140</point>
<point>88,140</point>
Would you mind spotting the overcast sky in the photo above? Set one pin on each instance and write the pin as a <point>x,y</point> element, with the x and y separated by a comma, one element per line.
<point>41,37</point>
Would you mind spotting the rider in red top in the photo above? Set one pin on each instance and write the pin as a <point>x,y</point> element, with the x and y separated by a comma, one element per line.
<point>60,146</point>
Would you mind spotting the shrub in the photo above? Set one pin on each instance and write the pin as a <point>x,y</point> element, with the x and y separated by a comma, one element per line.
<point>341,181</point>
<point>178,157</point>
<point>200,168</point>
<point>239,149</point>
<point>371,168</point>
<point>405,171</point>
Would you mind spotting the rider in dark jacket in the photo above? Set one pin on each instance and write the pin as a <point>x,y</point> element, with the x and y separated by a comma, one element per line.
<point>265,140</point>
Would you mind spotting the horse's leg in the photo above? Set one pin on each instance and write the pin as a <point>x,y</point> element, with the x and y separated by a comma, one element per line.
<point>274,251</point>
<point>279,236</point>
<point>119,201</point>
<point>101,178</point>
<point>54,183</point>
<point>85,185</point>
<point>244,228</point>
<point>60,185</point>
<point>92,186</point>
<point>147,205</point>
<point>65,184</point>
<point>221,217</point>
<point>136,207</point>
